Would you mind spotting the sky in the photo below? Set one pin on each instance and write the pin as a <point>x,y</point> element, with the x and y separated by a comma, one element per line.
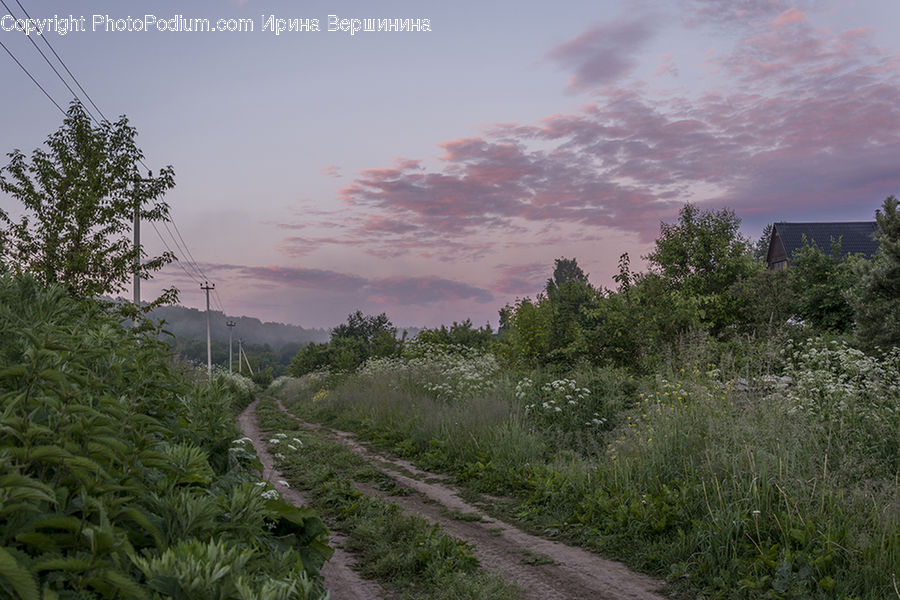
<point>436,175</point>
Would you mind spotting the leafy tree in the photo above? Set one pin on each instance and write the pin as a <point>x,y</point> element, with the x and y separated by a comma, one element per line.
<point>820,282</point>
<point>458,334</point>
<point>79,198</point>
<point>876,298</point>
<point>701,256</point>
<point>761,247</point>
<point>352,343</point>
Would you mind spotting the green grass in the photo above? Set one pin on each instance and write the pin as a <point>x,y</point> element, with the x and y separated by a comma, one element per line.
<point>726,489</point>
<point>411,556</point>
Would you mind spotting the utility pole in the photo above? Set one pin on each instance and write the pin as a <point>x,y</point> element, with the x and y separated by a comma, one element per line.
<point>249,368</point>
<point>137,253</point>
<point>206,287</point>
<point>231,325</point>
<point>240,354</point>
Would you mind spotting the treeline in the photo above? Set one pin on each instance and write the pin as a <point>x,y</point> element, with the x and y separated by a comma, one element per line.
<point>704,279</point>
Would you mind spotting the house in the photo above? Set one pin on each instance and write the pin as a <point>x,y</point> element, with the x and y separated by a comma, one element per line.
<point>856,238</point>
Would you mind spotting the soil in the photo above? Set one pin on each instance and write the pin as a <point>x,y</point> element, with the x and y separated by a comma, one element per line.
<point>544,569</point>
<point>340,579</point>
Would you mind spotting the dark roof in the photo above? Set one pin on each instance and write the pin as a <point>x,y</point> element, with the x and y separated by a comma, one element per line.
<point>856,237</point>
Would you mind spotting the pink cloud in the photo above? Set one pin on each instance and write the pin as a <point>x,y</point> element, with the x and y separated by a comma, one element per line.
<point>603,53</point>
<point>809,119</point>
<point>525,279</point>
<point>791,15</point>
<point>666,66</point>
<point>332,171</point>
<point>396,290</point>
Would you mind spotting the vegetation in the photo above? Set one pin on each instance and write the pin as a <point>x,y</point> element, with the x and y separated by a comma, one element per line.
<point>79,198</point>
<point>876,300</point>
<point>709,421</point>
<point>120,477</point>
<point>405,552</point>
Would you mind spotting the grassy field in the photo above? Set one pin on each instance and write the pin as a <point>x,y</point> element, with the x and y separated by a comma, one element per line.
<point>777,478</point>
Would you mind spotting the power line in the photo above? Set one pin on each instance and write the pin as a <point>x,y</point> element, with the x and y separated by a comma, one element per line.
<point>184,253</point>
<point>63,63</point>
<point>21,66</point>
<point>50,64</point>
<point>181,266</point>
<point>175,225</point>
<point>189,258</point>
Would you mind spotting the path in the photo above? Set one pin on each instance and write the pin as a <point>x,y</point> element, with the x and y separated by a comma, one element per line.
<point>545,569</point>
<point>340,579</point>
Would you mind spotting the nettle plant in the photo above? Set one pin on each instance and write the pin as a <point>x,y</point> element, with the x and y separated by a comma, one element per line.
<point>116,479</point>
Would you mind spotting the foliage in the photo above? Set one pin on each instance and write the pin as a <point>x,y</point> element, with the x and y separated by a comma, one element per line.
<point>734,476</point>
<point>351,344</point>
<point>701,256</point>
<point>79,198</point>
<point>116,474</point>
<point>411,555</point>
<point>458,334</point>
<point>821,282</point>
<point>876,299</point>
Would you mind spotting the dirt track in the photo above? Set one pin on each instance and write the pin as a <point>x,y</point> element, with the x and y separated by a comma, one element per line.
<point>340,578</point>
<point>545,570</point>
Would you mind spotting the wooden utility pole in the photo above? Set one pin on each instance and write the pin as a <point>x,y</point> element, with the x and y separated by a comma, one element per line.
<point>206,287</point>
<point>137,254</point>
<point>249,368</point>
<point>240,354</point>
<point>231,325</point>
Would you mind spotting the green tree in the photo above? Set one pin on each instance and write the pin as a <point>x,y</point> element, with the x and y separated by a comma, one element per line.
<point>701,257</point>
<point>459,334</point>
<point>820,282</point>
<point>79,198</point>
<point>876,297</point>
<point>351,344</point>
<point>761,247</point>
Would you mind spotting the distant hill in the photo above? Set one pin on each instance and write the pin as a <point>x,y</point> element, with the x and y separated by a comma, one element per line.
<point>266,344</point>
<point>191,323</point>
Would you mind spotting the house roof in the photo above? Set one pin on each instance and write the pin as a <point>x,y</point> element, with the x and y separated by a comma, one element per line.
<point>856,237</point>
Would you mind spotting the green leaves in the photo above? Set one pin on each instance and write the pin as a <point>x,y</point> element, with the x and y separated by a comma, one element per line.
<point>14,577</point>
<point>79,197</point>
<point>105,455</point>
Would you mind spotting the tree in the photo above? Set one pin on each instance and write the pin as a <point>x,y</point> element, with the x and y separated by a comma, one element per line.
<point>79,198</point>
<point>876,298</point>
<point>702,256</point>
<point>351,344</point>
<point>821,281</point>
<point>761,247</point>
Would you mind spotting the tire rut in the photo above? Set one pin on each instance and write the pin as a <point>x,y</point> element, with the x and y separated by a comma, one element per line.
<point>569,572</point>
<point>341,580</point>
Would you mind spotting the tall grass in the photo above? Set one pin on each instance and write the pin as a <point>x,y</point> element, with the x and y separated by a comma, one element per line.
<point>736,474</point>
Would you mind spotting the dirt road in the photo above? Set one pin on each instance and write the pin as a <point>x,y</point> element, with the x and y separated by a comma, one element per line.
<point>340,578</point>
<point>545,569</point>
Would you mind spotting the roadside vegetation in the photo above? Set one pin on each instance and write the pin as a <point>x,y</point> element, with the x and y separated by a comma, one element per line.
<point>122,474</point>
<point>710,422</point>
<point>404,552</point>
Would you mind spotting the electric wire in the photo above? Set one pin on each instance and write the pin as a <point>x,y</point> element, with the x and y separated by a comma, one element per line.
<point>63,63</point>
<point>50,64</point>
<point>30,76</point>
<point>183,246</point>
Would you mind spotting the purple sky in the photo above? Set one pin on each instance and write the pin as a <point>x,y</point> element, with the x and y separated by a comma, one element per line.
<point>437,175</point>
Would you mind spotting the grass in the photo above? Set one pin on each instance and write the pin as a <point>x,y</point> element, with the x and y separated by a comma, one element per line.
<point>717,475</point>
<point>415,558</point>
